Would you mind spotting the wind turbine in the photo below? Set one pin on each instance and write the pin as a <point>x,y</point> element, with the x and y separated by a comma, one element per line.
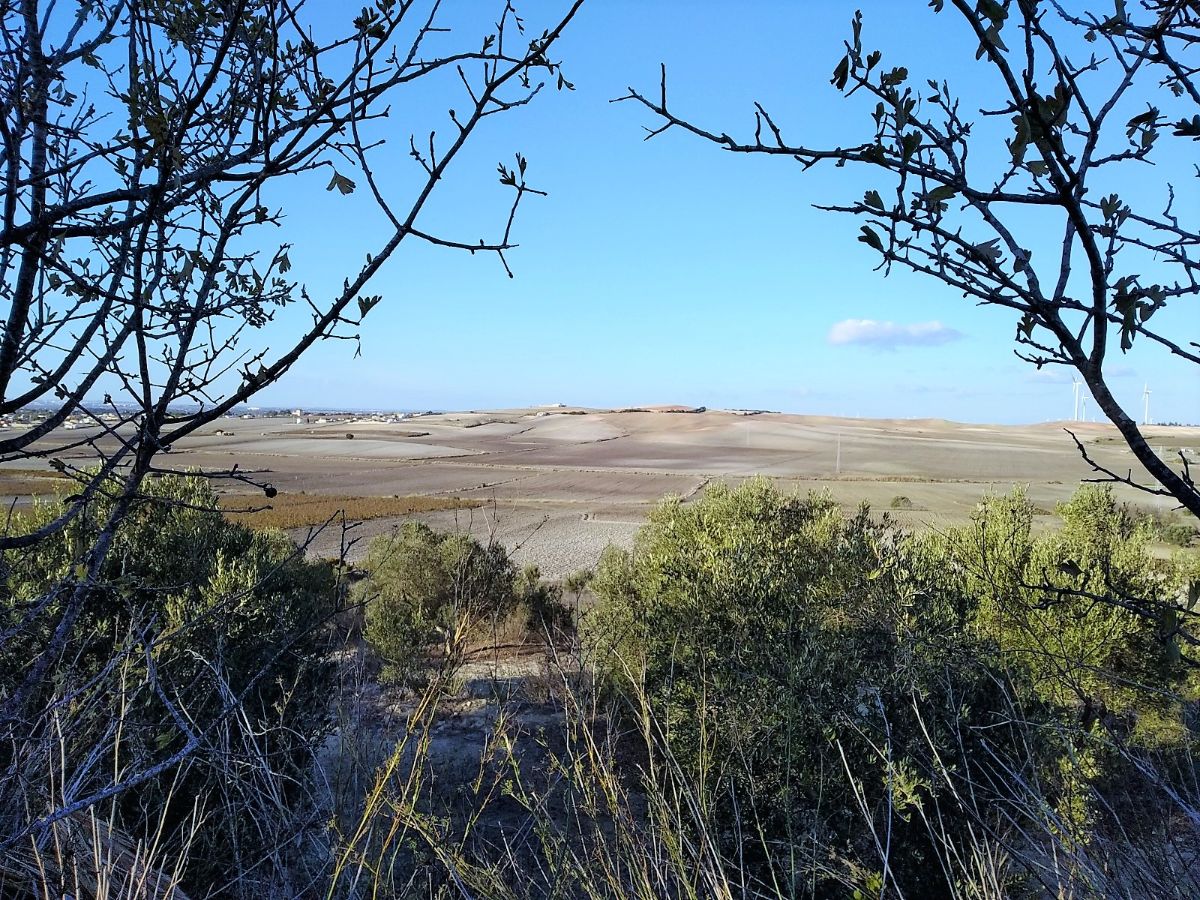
<point>1146,404</point>
<point>1076,384</point>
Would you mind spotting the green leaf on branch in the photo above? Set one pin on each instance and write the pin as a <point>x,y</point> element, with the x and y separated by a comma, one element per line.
<point>991,38</point>
<point>993,11</point>
<point>1148,118</point>
<point>987,252</point>
<point>341,183</point>
<point>870,238</point>
<point>1113,209</point>
<point>873,200</point>
<point>1026,325</point>
<point>841,75</point>
<point>1188,128</point>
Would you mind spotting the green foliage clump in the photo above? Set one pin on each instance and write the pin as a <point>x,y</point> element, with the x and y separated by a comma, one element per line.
<point>797,662</point>
<point>198,633</point>
<point>546,614</point>
<point>1173,527</point>
<point>900,501</point>
<point>578,581</point>
<point>1085,610</point>
<point>840,679</point>
<point>423,587</point>
<point>1179,534</point>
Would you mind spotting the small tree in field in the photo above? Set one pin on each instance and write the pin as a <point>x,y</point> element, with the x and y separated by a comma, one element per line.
<point>1075,96</point>
<point>141,144</point>
<point>427,588</point>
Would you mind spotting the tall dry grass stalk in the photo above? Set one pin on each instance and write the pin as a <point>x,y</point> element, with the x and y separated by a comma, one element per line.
<point>85,857</point>
<point>607,811</point>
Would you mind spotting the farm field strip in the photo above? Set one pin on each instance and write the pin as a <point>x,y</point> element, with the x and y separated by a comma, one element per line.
<point>559,486</point>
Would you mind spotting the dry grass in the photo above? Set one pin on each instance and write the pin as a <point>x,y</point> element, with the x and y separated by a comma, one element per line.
<point>86,857</point>
<point>287,510</point>
<point>29,482</point>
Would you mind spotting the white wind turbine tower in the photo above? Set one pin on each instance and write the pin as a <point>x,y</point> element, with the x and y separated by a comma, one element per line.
<point>1076,384</point>
<point>1146,404</point>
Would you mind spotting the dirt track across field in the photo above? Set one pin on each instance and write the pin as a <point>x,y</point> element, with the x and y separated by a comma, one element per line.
<point>557,486</point>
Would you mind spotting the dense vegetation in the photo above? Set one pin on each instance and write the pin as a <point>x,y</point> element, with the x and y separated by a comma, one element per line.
<point>831,680</point>
<point>766,692</point>
<point>424,588</point>
<point>201,632</point>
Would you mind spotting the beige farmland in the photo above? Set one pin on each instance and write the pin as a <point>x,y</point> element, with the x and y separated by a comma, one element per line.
<point>557,486</point>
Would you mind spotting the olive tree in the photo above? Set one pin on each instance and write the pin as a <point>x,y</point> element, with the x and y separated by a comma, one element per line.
<point>1076,96</point>
<point>141,146</point>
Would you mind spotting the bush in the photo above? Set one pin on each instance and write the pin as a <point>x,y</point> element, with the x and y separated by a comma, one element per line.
<point>1172,526</point>
<point>901,502</point>
<point>546,615</point>
<point>1076,608</point>
<point>1179,534</point>
<point>191,614</point>
<point>799,663</point>
<point>577,582</point>
<point>424,588</point>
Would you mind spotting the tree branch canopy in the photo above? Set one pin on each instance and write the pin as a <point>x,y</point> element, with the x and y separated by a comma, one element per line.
<point>141,144</point>
<point>1065,126</point>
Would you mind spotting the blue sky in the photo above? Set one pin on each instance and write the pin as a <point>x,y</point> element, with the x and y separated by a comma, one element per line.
<point>670,271</point>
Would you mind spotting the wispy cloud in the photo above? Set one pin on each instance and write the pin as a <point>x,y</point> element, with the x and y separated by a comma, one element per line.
<point>890,335</point>
<point>1049,375</point>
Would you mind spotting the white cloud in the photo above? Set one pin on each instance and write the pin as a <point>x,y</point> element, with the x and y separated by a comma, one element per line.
<point>889,335</point>
<point>1049,375</point>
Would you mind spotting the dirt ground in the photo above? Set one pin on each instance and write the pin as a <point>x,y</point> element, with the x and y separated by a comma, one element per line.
<point>557,486</point>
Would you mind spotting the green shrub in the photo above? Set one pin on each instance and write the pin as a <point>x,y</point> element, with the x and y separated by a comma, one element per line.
<point>1077,608</point>
<point>901,502</point>
<point>577,582</point>
<point>424,588</point>
<point>191,613</point>
<point>1171,526</point>
<point>1179,534</point>
<point>799,663</point>
<point>546,615</point>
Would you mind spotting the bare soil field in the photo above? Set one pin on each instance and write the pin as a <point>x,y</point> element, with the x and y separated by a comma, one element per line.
<point>557,486</point>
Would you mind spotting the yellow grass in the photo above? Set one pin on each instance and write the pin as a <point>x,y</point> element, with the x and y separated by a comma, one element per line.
<point>305,510</point>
